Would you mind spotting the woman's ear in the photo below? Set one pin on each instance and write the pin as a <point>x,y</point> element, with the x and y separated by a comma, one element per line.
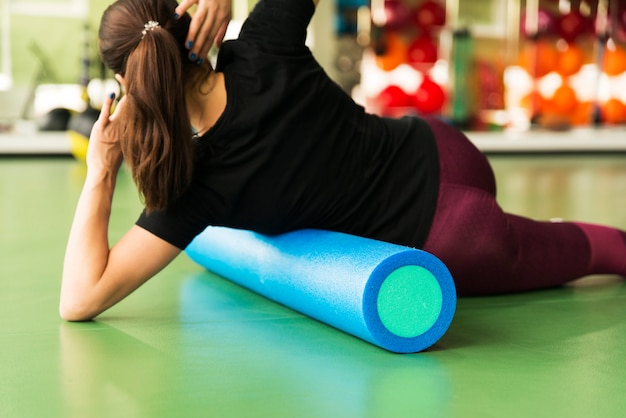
<point>120,79</point>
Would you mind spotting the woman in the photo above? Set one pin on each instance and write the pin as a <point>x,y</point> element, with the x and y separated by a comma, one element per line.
<point>280,147</point>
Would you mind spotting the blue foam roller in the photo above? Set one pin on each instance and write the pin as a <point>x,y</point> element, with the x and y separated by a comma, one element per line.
<point>398,298</point>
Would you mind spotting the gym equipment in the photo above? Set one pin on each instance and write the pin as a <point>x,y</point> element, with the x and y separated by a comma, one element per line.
<point>395,297</point>
<point>56,119</point>
<point>570,60</point>
<point>430,14</point>
<point>564,100</point>
<point>394,97</point>
<point>539,58</point>
<point>429,97</point>
<point>393,53</point>
<point>422,53</point>
<point>397,14</point>
<point>613,111</point>
<point>573,25</point>
<point>614,60</point>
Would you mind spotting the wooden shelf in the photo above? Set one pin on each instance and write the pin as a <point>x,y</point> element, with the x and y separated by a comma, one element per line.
<point>37,143</point>
<point>578,140</point>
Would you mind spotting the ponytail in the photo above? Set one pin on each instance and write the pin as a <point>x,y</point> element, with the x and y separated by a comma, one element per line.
<point>153,129</point>
<point>155,132</point>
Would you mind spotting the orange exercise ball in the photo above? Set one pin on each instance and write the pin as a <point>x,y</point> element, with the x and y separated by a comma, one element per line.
<point>570,60</point>
<point>539,58</point>
<point>614,60</point>
<point>394,53</point>
<point>582,114</point>
<point>613,111</point>
<point>534,102</point>
<point>564,100</point>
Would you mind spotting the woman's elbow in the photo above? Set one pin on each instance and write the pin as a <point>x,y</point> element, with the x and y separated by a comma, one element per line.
<point>76,312</point>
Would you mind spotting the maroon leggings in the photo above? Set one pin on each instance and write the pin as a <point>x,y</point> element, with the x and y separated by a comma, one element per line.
<point>487,250</point>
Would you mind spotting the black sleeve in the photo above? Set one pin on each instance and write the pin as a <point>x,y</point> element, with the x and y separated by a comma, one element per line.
<point>167,228</point>
<point>277,24</point>
<point>182,220</point>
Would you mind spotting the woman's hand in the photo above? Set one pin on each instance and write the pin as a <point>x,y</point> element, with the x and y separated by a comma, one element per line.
<point>94,276</point>
<point>104,153</point>
<point>208,25</point>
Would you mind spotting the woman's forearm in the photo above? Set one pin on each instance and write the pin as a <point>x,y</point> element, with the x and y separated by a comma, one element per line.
<point>95,275</point>
<point>88,246</point>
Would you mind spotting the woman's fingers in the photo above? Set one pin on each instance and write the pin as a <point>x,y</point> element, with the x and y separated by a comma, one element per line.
<point>197,35</point>
<point>105,112</point>
<point>117,109</point>
<point>206,31</point>
<point>103,153</point>
<point>183,6</point>
<point>219,38</point>
<point>208,25</point>
<point>223,16</point>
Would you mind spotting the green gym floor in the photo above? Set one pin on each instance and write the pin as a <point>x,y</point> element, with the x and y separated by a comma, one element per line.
<point>189,344</point>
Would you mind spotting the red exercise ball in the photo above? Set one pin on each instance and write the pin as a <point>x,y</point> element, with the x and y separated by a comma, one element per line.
<point>392,97</point>
<point>429,97</point>
<point>422,53</point>
<point>397,14</point>
<point>572,25</point>
<point>429,14</point>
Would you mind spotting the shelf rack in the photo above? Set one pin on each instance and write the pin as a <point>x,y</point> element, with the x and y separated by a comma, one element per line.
<point>577,140</point>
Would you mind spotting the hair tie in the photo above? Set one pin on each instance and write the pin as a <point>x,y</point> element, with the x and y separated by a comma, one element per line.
<point>150,25</point>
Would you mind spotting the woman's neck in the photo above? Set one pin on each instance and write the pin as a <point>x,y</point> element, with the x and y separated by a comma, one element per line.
<point>206,101</point>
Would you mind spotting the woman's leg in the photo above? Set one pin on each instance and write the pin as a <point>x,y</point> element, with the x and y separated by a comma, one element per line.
<point>489,251</point>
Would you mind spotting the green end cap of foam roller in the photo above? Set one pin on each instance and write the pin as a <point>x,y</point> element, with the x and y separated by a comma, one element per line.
<point>409,301</point>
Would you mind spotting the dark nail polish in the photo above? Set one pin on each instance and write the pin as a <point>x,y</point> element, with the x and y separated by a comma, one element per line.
<point>200,61</point>
<point>192,56</point>
<point>176,15</point>
<point>112,95</point>
<point>189,44</point>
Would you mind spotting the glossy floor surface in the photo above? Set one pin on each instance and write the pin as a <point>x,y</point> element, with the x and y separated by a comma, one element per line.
<point>189,344</point>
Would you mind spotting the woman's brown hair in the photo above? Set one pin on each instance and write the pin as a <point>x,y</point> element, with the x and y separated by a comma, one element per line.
<point>154,130</point>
